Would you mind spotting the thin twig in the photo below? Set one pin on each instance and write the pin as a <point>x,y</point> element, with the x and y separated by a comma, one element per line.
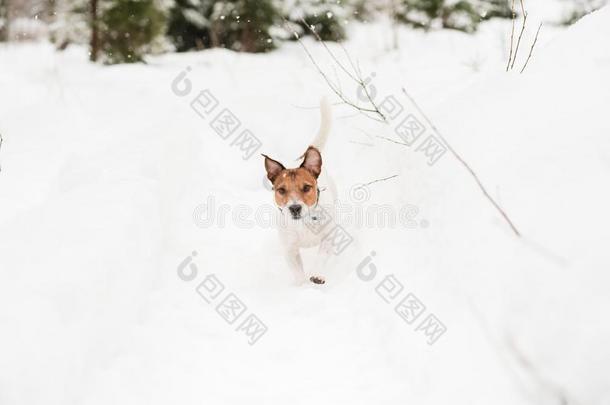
<point>512,35</point>
<point>532,48</point>
<point>361,83</point>
<point>377,181</point>
<point>463,162</point>
<point>350,60</point>
<point>356,76</point>
<point>325,76</point>
<point>512,65</point>
<point>391,140</point>
<point>332,55</point>
<point>330,83</point>
<point>376,110</point>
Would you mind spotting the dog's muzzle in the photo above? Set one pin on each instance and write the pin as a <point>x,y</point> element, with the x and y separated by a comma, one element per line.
<point>295,211</point>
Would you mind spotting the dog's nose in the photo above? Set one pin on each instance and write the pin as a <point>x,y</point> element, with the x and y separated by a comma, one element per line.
<point>295,210</point>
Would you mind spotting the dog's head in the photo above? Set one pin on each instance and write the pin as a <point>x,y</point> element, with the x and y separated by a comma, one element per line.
<point>296,190</point>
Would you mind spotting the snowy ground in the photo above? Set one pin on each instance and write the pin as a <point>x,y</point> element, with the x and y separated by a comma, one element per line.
<point>103,169</point>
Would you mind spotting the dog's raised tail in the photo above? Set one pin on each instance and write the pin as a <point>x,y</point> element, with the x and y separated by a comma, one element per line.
<point>325,124</point>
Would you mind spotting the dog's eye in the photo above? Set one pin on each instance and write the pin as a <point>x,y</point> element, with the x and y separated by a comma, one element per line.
<point>281,190</point>
<point>306,188</point>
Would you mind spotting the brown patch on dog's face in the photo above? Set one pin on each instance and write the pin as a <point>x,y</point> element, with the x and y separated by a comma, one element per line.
<point>300,185</point>
<point>295,185</point>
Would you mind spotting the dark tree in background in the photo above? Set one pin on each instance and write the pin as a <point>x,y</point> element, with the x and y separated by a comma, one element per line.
<point>489,9</point>
<point>243,25</point>
<point>128,27</point>
<point>25,20</point>
<point>5,19</point>
<point>190,23</point>
<point>94,45</point>
<point>326,17</point>
<point>240,25</point>
<point>254,25</point>
<point>462,15</point>
<point>119,31</point>
<point>70,22</point>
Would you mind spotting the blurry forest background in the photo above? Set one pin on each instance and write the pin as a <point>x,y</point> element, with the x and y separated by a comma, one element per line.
<point>119,31</point>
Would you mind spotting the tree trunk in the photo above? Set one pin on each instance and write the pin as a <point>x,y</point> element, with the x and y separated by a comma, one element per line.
<point>214,37</point>
<point>94,45</point>
<point>248,40</point>
<point>5,32</point>
<point>394,21</point>
<point>50,10</point>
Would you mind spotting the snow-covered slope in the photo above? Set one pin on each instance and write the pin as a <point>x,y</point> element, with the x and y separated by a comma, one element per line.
<point>548,161</point>
<point>104,169</point>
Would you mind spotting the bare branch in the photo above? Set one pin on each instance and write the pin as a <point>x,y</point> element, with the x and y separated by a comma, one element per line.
<point>325,76</point>
<point>350,60</point>
<point>329,82</point>
<point>391,140</point>
<point>466,165</point>
<point>377,181</point>
<point>356,76</point>
<point>512,65</point>
<point>332,55</point>
<point>532,48</point>
<point>512,35</point>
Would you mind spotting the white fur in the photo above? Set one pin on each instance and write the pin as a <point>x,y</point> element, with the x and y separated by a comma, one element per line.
<point>325,124</point>
<point>295,234</point>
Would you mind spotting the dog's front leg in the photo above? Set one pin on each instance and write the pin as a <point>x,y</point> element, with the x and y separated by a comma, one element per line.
<point>293,256</point>
<point>321,264</point>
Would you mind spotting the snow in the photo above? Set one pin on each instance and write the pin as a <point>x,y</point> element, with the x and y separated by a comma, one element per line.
<point>103,168</point>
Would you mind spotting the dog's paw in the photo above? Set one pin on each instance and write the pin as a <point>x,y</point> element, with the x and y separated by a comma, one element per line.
<point>317,280</point>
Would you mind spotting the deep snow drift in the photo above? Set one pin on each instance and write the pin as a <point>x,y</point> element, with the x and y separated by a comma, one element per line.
<point>105,170</point>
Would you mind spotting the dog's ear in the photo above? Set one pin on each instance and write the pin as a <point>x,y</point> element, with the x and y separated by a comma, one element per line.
<point>312,161</point>
<point>273,168</point>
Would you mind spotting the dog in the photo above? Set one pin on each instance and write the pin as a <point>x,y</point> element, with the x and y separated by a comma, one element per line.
<point>299,194</point>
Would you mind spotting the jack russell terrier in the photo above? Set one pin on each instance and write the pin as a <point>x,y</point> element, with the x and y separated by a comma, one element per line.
<point>299,194</point>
